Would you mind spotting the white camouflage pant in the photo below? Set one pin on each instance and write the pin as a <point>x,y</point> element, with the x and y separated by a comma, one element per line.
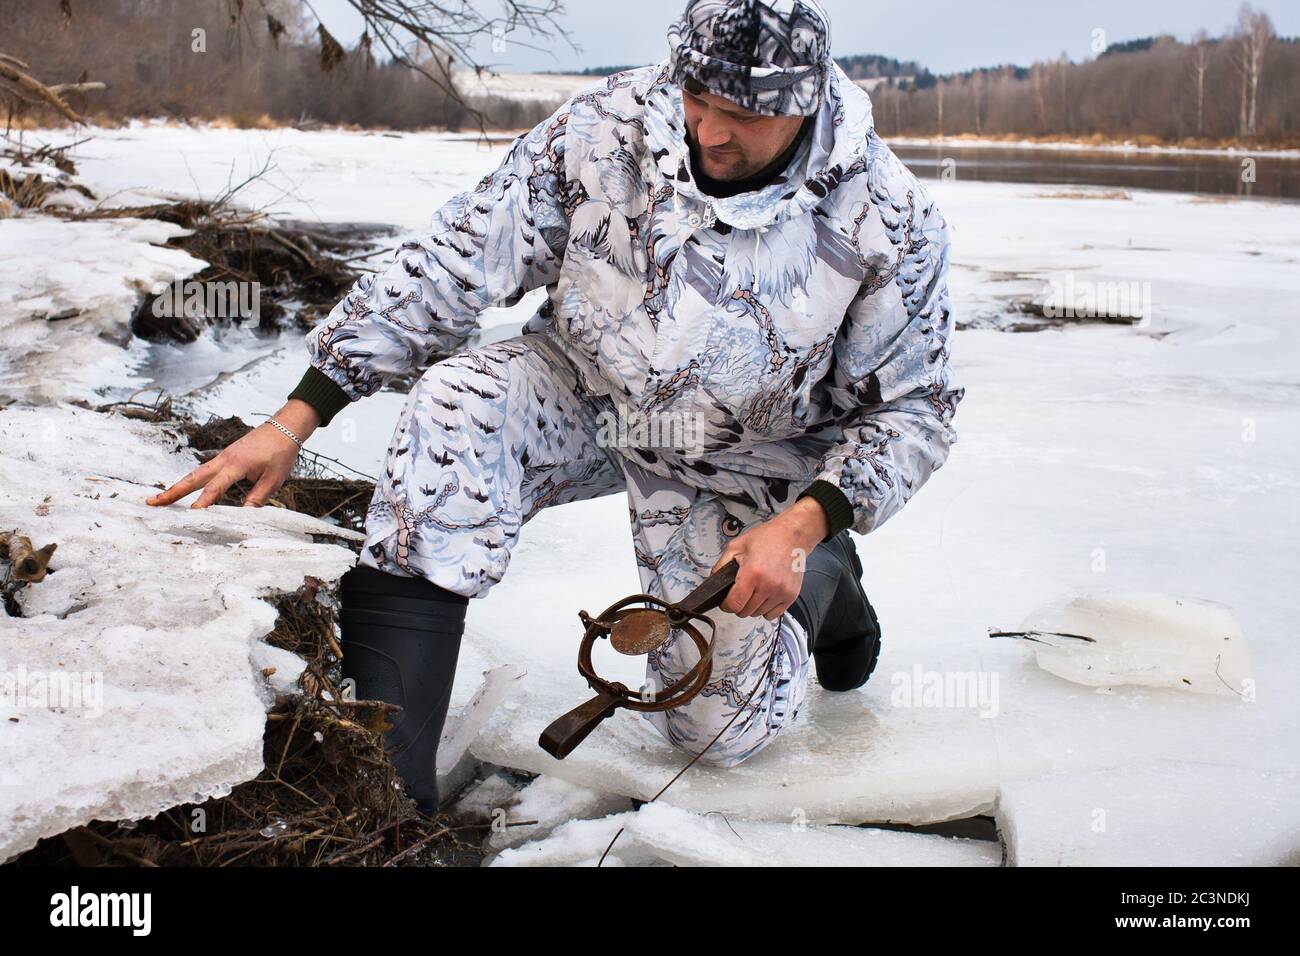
<point>491,435</point>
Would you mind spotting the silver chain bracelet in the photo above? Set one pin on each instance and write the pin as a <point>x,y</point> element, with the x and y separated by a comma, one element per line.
<point>296,440</point>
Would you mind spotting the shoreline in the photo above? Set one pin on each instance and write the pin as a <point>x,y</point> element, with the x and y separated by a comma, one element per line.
<point>962,141</point>
<point>506,135</point>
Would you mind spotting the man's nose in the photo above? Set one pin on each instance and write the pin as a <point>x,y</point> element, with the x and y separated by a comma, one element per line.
<point>712,133</point>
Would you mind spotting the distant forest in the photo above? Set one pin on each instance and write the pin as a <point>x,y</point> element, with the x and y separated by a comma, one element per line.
<point>859,66</point>
<point>186,60</point>
<point>1241,87</point>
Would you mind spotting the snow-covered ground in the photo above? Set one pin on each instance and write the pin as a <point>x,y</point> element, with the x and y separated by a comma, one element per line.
<point>134,679</point>
<point>545,87</point>
<point>1159,458</point>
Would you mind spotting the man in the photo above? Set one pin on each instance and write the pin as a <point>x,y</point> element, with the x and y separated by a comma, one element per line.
<point>725,243</point>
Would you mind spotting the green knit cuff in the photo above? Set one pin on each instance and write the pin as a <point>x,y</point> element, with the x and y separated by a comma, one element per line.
<point>838,508</point>
<point>320,392</point>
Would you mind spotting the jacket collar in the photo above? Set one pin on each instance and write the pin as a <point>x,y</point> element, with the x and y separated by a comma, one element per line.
<point>837,142</point>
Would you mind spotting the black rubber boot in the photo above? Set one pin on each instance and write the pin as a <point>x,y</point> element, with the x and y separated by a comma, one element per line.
<point>401,638</point>
<point>843,631</point>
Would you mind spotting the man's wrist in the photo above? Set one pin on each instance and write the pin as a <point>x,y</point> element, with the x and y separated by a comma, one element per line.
<point>810,520</point>
<point>322,393</point>
<point>299,417</point>
<point>834,504</point>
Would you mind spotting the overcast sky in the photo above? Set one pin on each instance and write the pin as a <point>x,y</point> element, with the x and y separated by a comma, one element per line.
<point>944,35</point>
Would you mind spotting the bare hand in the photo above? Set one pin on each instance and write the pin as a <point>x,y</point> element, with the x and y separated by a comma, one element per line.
<point>772,556</point>
<point>264,456</point>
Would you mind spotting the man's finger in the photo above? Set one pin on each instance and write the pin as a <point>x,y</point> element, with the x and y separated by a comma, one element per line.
<point>739,593</point>
<point>195,479</point>
<point>262,491</point>
<point>728,553</point>
<point>757,600</point>
<point>216,488</point>
<point>755,596</point>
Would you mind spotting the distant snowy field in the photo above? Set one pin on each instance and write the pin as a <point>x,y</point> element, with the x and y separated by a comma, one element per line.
<point>543,87</point>
<point>1158,458</point>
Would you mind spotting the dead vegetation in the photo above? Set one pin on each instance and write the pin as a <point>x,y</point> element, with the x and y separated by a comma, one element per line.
<point>328,794</point>
<point>280,273</point>
<point>264,62</point>
<point>1116,194</point>
<point>307,266</point>
<point>19,88</point>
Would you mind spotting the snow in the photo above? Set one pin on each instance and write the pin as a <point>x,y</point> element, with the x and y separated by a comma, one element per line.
<point>1151,464</point>
<point>67,297</point>
<point>159,611</point>
<point>1167,813</point>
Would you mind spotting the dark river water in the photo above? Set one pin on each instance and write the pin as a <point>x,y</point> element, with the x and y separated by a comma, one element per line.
<point>1275,177</point>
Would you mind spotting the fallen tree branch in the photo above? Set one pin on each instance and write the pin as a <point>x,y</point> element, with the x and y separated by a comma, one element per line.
<point>17,83</point>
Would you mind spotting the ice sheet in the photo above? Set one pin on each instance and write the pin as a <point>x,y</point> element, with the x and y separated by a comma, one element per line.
<point>664,834</point>
<point>1153,459</point>
<point>67,297</point>
<point>1167,813</point>
<point>149,623</point>
<point>543,805</point>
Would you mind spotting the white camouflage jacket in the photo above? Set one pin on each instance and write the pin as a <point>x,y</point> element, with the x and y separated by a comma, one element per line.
<point>810,317</point>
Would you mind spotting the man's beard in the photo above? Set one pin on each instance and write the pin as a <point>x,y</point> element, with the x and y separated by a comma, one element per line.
<point>736,168</point>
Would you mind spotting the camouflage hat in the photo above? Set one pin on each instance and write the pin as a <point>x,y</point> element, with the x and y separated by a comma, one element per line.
<point>771,58</point>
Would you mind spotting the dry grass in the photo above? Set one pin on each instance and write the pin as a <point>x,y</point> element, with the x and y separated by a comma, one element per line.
<point>244,121</point>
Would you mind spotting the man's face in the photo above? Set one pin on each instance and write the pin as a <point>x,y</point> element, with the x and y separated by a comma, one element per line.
<point>732,142</point>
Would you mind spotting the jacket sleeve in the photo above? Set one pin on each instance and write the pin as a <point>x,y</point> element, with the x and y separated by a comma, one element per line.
<point>891,385</point>
<point>484,247</point>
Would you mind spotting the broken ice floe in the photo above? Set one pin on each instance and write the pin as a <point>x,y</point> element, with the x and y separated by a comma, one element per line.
<point>67,298</point>
<point>455,766</point>
<point>659,834</point>
<point>133,680</point>
<point>546,803</point>
<point>1155,640</point>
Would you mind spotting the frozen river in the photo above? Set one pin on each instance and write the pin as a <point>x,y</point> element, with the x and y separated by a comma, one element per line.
<point>1160,457</point>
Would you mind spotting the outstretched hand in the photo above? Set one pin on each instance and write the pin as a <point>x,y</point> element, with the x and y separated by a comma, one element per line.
<point>265,456</point>
<point>772,557</point>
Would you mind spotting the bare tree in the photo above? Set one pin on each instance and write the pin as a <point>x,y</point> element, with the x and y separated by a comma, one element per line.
<point>1063,73</point>
<point>1200,63</point>
<point>428,36</point>
<point>939,87</point>
<point>1038,82</point>
<point>1250,42</point>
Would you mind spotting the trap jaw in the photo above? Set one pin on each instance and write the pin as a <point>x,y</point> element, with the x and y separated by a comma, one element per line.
<point>637,625</point>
